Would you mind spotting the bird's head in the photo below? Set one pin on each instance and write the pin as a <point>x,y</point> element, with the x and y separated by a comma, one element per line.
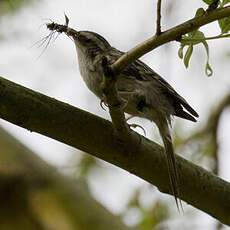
<point>91,43</point>
<point>87,42</point>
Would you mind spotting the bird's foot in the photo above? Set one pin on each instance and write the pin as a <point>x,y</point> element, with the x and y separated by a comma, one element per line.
<point>103,103</point>
<point>136,126</point>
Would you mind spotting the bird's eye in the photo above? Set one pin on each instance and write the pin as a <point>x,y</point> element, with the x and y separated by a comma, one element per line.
<point>87,40</point>
<point>84,39</point>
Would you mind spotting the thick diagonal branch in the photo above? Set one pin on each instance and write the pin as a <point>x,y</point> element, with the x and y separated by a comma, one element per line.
<point>87,132</point>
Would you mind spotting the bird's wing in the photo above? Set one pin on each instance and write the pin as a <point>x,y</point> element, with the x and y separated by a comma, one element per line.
<point>142,72</point>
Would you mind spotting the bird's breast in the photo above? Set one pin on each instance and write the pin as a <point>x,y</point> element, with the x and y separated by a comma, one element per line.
<point>90,75</point>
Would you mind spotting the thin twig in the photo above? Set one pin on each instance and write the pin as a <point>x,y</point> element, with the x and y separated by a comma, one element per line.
<point>158,28</point>
<point>184,39</point>
<point>211,126</point>
<point>167,36</point>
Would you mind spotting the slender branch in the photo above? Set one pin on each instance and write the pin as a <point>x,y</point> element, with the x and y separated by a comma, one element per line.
<point>169,35</point>
<point>158,26</point>
<point>212,123</point>
<point>94,135</point>
<point>212,128</point>
<point>205,39</point>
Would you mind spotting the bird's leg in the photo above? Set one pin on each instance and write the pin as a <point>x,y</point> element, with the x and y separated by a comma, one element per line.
<point>134,125</point>
<point>126,96</point>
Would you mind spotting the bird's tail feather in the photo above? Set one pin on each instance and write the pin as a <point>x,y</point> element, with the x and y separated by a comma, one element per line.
<point>171,162</point>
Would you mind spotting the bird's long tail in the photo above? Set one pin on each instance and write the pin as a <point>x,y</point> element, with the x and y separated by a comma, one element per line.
<point>171,161</point>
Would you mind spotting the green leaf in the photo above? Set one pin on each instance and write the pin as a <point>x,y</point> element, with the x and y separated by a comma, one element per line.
<point>225,2</point>
<point>11,6</point>
<point>209,2</point>
<point>208,68</point>
<point>188,55</point>
<point>191,39</point>
<point>180,51</point>
<point>224,25</point>
<point>199,36</point>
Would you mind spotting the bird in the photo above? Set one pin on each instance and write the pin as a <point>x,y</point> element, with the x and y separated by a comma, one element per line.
<point>146,93</point>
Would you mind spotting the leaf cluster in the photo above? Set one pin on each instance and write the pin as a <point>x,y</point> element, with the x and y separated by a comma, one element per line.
<point>196,37</point>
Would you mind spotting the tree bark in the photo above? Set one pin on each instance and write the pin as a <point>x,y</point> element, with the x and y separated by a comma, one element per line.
<point>94,135</point>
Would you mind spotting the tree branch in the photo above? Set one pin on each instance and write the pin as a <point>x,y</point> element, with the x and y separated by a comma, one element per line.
<point>89,133</point>
<point>210,130</point>
<point>211,126</point>
<point>158,26</point>
<point>169,35</point>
